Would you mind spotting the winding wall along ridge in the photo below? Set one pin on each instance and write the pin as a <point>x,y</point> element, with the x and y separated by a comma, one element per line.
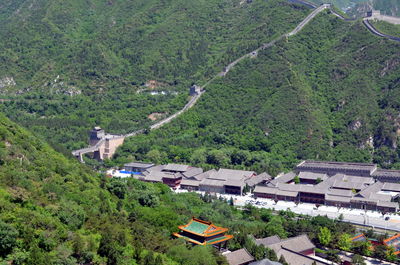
<point>79,153</point>
<point>373,30</point>
<point>196,97</point>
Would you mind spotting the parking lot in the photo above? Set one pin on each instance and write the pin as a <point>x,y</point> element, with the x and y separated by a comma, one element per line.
<point>355,216</point>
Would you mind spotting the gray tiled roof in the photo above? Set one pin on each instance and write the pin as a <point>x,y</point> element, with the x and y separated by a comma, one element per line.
<point>176,167</point>
<point>266,241</point>
<point>334,198</point>
<point>160,175</point>
<point>191,172</point>
<point>298,243</point>
<point>283,179</point>
<point>357,179</point>
<point>232,174</point>
<point>238,257</point>
<point>258,179</point>
<point>312,175</point>
<point>335,165</point>
<point>290,248</point>
<point>139,165</point>
<point>212,182</point>
<point>365,200</point>
<point>294,258</point>
<point>287,193</point>
<point>374,188</point>
<point>266,190</point>
<point>388,204</point>
<point>290,187</point>
<point>391,187</point>
<point>265,262</point>
<point>234,183</point>
<point>381,197</point>
<point>190,182</point>
<point>348,185</point>
<point>204,175</point>
<point>386,173</point>
<point>153,178</point>
<point>158,168</point>
<point>339,192</point>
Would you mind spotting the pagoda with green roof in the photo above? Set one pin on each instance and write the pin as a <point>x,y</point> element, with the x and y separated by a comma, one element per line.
<point>203,233</point>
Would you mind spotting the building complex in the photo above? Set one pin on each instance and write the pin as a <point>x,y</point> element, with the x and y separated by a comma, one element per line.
<point>350,185</point>
<point>339,184</point>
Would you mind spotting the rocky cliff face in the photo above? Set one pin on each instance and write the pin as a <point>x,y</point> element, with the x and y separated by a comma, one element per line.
<point>6,82</point>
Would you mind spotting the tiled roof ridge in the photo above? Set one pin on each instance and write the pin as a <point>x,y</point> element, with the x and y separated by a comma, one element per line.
<point>305,256</point>
<point>201,221</point>
<point>337,163</point>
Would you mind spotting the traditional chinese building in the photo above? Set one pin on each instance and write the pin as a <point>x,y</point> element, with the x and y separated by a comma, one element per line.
<point>201,232</point>
<point>394,242</point>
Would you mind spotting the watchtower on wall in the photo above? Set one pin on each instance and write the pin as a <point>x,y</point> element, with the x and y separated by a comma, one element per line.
<point>373,13</point>
<point>195,90</point>
<point>96,135</point>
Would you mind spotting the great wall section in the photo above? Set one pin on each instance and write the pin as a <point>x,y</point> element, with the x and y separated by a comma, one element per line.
<point>103,146</point>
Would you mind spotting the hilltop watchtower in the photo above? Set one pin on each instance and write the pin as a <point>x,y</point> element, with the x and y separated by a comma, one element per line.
<point>195,90</point>
<point>96,135</point>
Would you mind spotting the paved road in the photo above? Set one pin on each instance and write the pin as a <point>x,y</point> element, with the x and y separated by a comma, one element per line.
<point>353,216</point>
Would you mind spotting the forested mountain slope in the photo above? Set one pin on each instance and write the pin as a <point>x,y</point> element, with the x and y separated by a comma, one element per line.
<point>56,211</point>
<point>69,65</point>
<point>330,92</point>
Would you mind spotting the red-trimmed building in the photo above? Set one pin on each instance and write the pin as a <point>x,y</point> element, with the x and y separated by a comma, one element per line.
<point>359,237</point>
<point>394,242</point>
<point>201,232</point>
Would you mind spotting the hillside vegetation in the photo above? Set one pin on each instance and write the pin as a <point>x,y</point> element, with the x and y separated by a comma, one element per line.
<point>387,28</point>
<point>330,92</point>
<point>77,64</point>
<point>56,211</point>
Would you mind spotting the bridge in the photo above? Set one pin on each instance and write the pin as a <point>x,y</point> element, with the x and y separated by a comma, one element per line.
<point>105,145</point>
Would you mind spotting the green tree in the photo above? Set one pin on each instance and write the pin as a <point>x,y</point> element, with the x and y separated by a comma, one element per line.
<point>380,252</point>
<point>156,156</point>
<point>8,238</point>
<point>332,255</point>
<point>324,236</point>
<point>71,214</point>
<point>357,260</point>
<point>118,188</point>
<point>362,248</point>
<point>344,242</point>
<point>296,180</point>
<point>275,227</point>
<point>217,158</point>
